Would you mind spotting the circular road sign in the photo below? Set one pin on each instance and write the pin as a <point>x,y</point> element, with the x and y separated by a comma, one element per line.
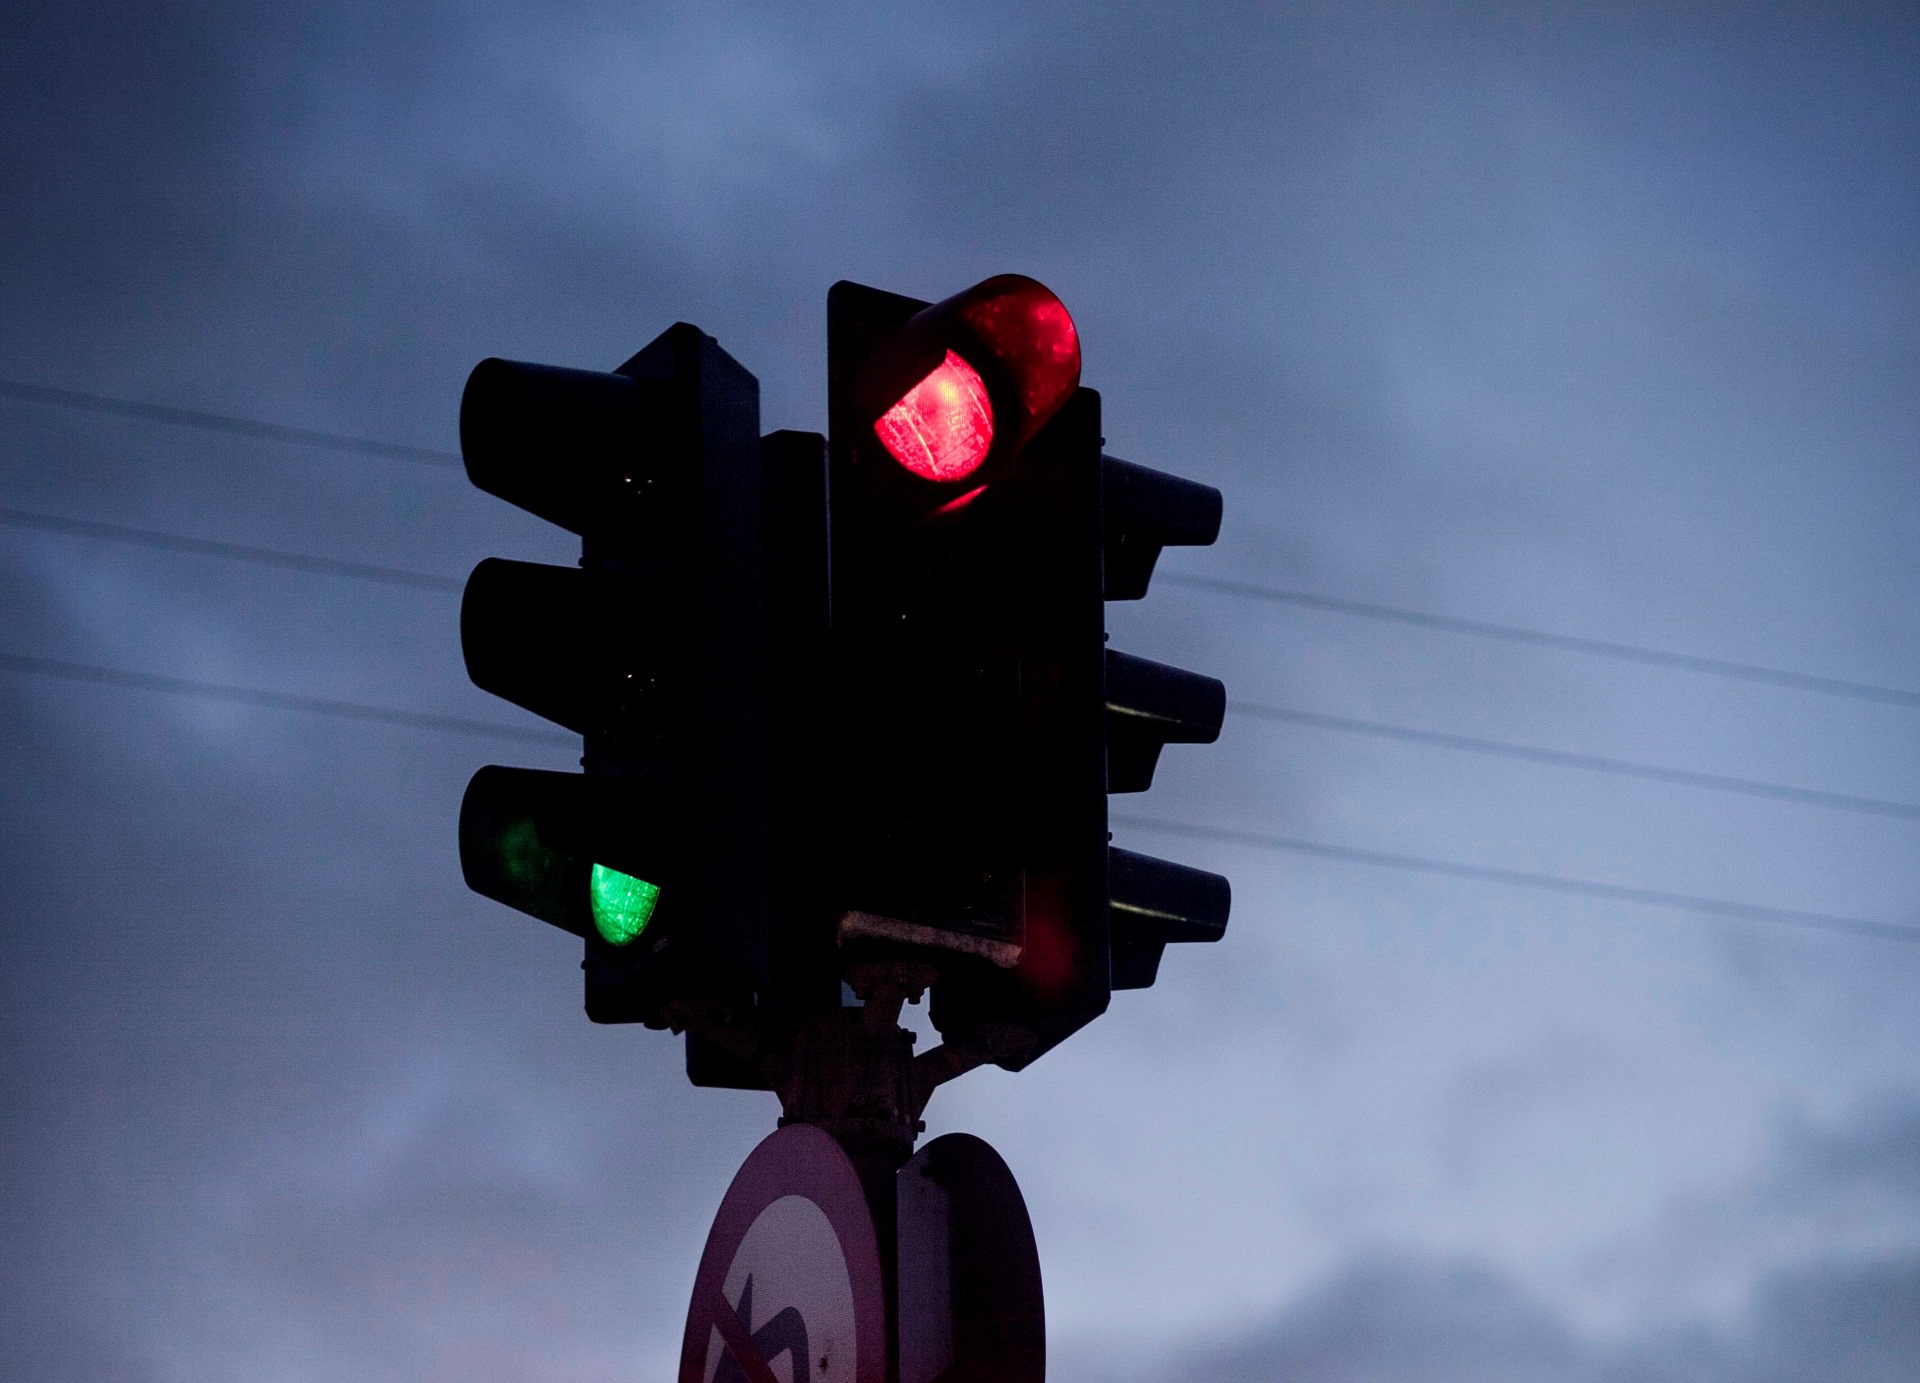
<point>789,1287</point>
<point>970,1305</point>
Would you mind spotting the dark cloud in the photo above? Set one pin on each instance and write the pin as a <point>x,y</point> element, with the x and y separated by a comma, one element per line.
<point>1874,1154</point>
<point>1388,1321</point>
<point>1586,319</point>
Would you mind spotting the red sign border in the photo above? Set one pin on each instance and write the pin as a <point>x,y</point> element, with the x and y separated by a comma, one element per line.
<point>798,1160</point>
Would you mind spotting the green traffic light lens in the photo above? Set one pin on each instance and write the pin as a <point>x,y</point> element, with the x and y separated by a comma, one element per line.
<point>622,905</point>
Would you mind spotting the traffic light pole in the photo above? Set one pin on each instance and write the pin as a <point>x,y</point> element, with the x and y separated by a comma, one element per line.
<point>851,1072</point>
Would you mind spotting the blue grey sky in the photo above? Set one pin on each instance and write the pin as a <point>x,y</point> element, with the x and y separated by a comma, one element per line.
<point>1598,319</point>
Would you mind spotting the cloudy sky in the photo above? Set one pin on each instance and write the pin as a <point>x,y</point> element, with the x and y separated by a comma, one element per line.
<point>1601,320</point>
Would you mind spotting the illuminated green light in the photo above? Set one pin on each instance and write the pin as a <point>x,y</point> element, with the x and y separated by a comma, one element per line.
<point>622,904</point>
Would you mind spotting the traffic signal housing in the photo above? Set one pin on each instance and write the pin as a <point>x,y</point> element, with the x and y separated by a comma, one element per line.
<point>654,649</point>
<point>820,735</point>
<point>981,720</point>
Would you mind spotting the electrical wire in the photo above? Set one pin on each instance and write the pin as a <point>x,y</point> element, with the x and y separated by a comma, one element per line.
<point>1590,763</point>
<point>225,422</point>
<point>279,701</point>
<point>1556,883</point>
<point>1450,624</point>
<point>1301,599</point>
<point>363,711</point>
<point>328,566</point>
<point>1540,638</point>
<point>233,552</point>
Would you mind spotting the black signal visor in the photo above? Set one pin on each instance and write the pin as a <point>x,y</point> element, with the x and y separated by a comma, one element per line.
<point>575,447</point>
<point>1145,510</point>
<point>1155,902</point>
<point>1149,705</point>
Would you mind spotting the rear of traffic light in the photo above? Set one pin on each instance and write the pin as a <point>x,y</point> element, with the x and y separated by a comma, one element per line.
<point>654,650</point>
<point>981,719</point>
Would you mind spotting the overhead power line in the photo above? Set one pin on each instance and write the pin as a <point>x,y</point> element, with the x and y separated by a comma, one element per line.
<point>1540,638</point>
<point>1486,629</point>
<point>1592,763</point>
<point>225,422</point>
<point>233,552</point>
<point>363,711</point>
<point>1555,883</point>
<point>279,701</point>
<point>362,571</point>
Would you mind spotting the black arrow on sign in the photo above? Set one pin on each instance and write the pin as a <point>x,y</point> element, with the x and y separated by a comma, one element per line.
<point>749,1353</point>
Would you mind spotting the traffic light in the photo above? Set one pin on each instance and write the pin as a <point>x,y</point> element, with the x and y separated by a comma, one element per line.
<point>979,718</point>
<point>654,649</point>
<point>814,741</point>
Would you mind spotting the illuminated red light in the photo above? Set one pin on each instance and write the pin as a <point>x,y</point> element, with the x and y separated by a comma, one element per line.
<point>942,428</point>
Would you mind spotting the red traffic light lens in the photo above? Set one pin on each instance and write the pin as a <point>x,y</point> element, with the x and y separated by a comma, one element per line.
<point>942,428</point>
<point>1028,330</point>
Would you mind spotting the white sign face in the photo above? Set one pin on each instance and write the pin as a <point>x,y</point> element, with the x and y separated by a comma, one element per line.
<point>790,1286</point>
